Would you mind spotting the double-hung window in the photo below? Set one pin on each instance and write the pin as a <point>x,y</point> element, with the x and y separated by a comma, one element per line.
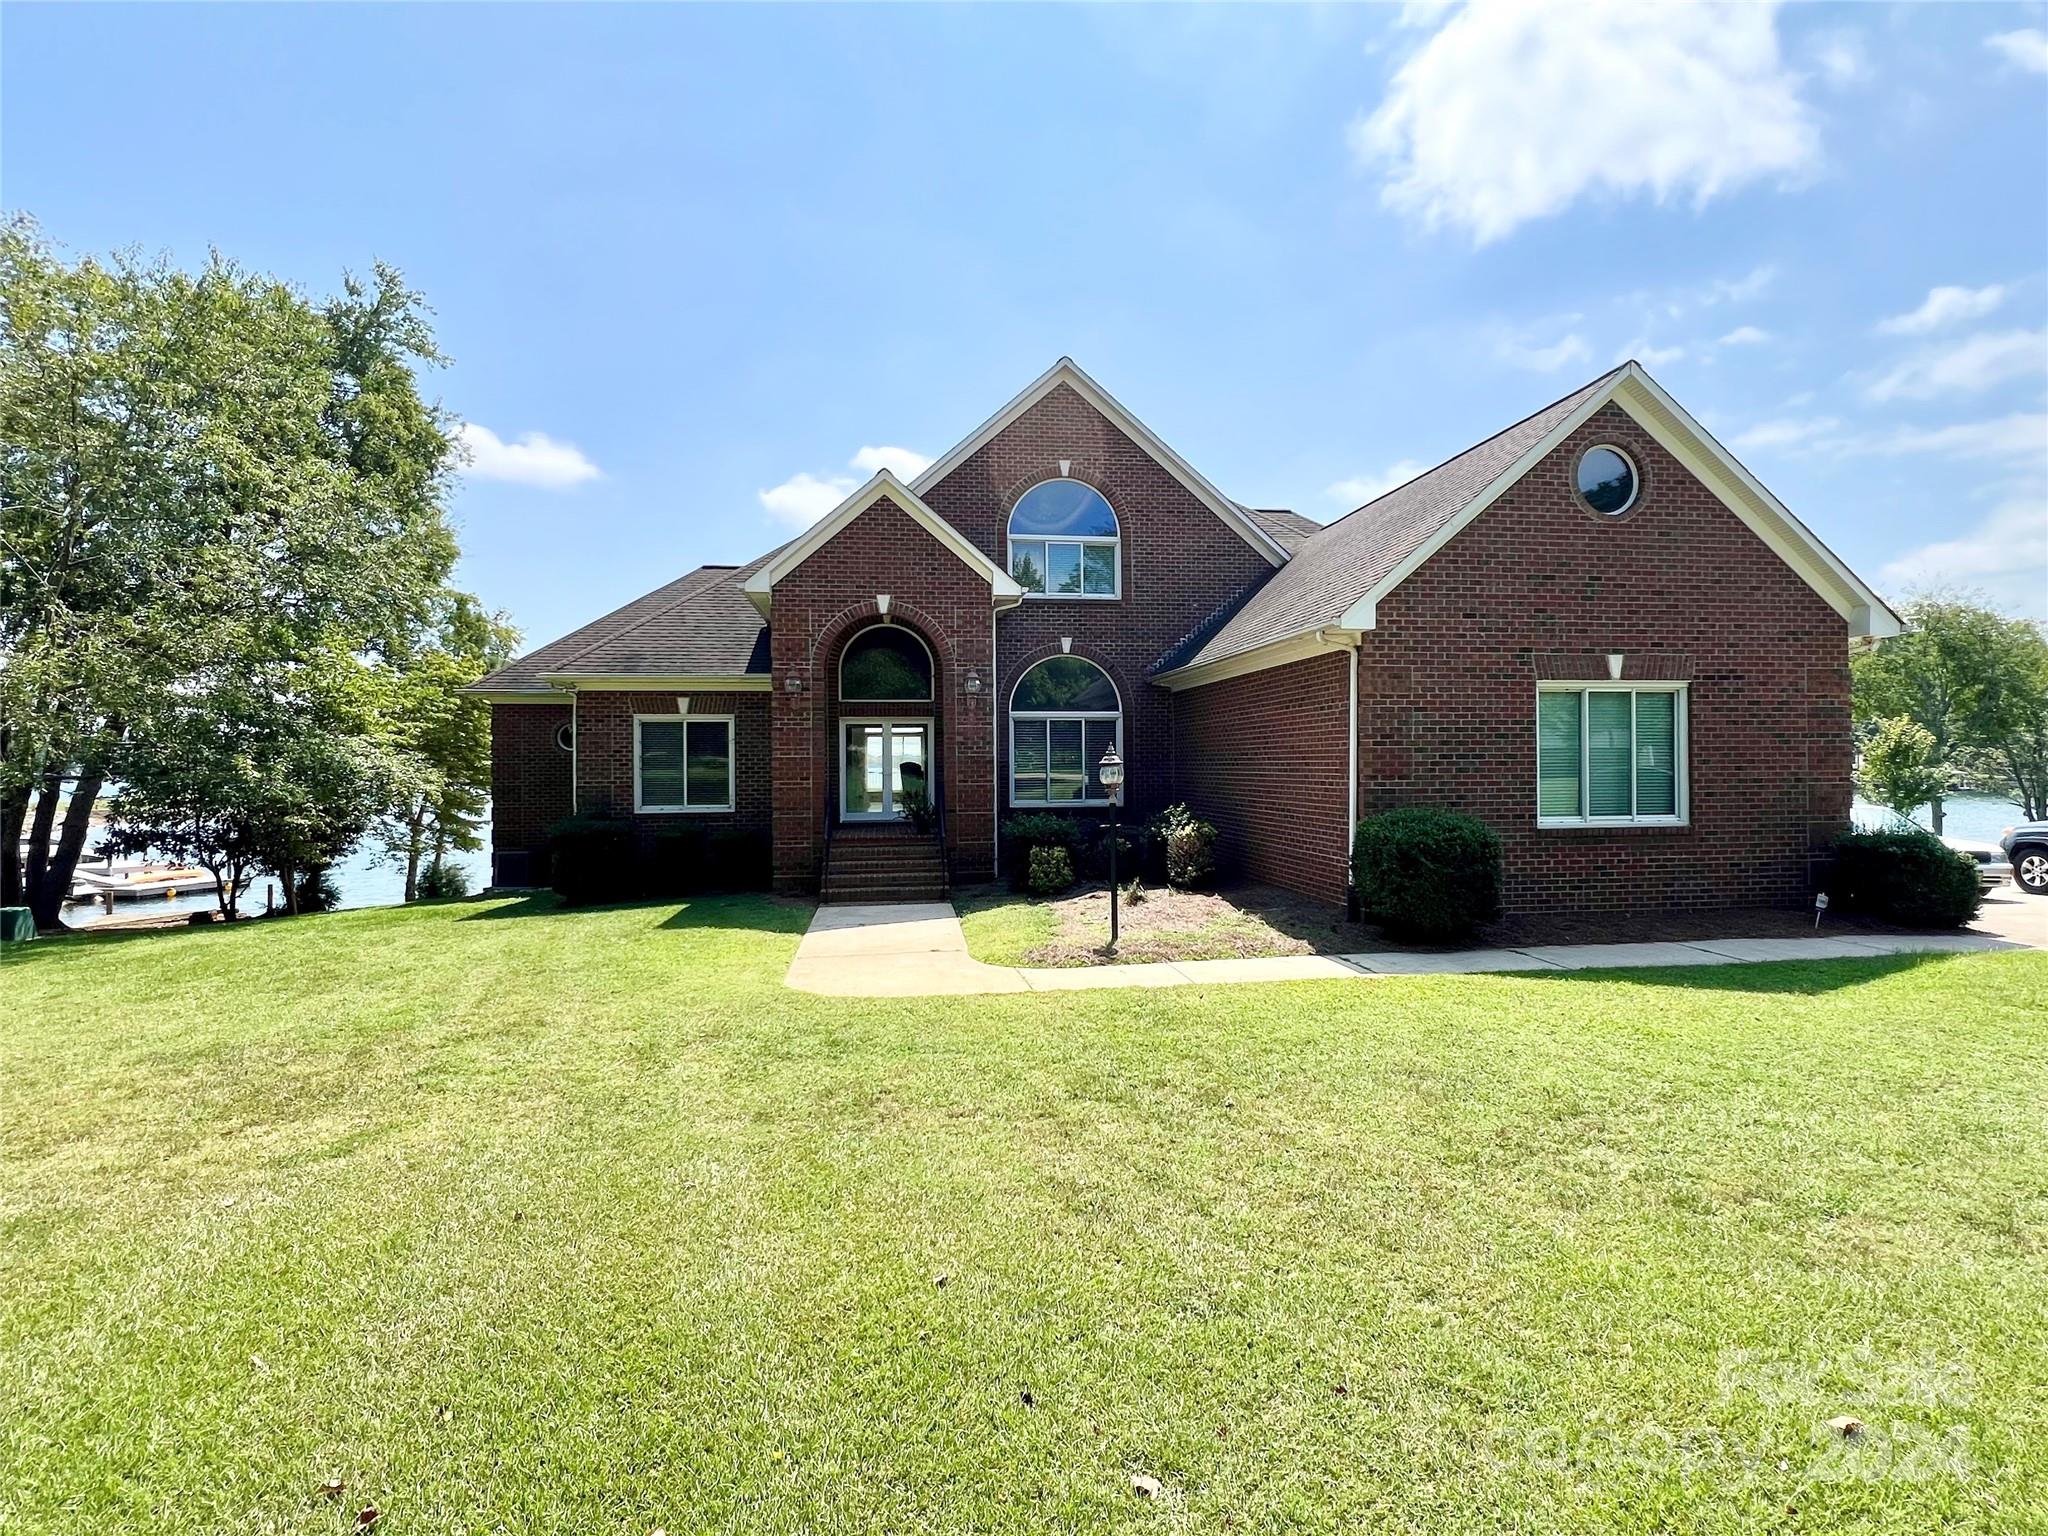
<point>1610,755</point>
<point>682,763</point>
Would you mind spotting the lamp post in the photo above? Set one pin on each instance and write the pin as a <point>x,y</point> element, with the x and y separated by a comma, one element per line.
<point>1111,771</point>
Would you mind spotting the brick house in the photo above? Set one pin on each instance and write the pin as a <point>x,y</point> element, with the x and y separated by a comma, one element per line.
<point>1594,630</point>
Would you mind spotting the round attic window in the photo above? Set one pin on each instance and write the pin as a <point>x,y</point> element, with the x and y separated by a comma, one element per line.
<point>1607,480</point>
<point>565,736</point>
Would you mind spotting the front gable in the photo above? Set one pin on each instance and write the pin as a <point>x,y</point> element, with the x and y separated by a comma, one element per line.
<point>883,491</point>
<point>1071,420</point>
<point>1636,398</point>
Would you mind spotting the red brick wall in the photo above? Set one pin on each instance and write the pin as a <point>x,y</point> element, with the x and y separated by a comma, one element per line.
<point>1262,756</point>
<point>1539,586</point>
<point>1180,564</point>
<point>604,757</point>
<point>529,785</point>
<point>817,608</point>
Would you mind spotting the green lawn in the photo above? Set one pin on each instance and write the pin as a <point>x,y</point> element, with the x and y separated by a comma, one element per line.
<point>532,1221</point>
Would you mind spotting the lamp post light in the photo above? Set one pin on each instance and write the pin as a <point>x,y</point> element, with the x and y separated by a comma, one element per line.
<point>1111,771</point>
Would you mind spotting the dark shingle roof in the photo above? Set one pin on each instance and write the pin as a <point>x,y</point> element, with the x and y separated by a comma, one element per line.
<point>1336,566</point>
<point>700,625</point>
<point>1290,529</point>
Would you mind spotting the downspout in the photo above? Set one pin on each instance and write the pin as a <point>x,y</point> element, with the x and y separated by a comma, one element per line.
<point>1351,777</point>
<point>575,748</point>
<point>995,731</point>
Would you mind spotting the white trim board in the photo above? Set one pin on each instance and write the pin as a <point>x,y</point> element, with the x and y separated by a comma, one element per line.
<point>1067,372</point>
<point>667,682</point>
<point>1693,446</point>
<point>760,586</point>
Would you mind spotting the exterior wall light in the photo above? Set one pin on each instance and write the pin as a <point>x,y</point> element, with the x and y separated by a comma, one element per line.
<point>793,683</point>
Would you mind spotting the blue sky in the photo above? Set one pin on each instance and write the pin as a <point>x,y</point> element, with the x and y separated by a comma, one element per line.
<point>699,267</point>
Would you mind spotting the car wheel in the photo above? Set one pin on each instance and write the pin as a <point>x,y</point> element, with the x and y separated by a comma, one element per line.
<point>2030,870</point>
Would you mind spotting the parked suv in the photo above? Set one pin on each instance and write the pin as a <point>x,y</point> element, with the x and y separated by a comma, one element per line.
<point>2026,845</point>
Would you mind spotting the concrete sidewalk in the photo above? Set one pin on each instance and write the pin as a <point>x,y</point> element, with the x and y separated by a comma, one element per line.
<point>916,949</point>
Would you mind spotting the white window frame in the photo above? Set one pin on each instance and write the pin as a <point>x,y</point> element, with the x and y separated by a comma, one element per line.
<point>1114,543</point>
<point>1046,715</point>
<point>1681,734</point>
<point>732,752</point>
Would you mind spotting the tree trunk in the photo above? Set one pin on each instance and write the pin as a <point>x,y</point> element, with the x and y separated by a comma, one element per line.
<point>290,877</point>
<point>13,817</point>
<point>1935,814</point>
<point>45,898</point>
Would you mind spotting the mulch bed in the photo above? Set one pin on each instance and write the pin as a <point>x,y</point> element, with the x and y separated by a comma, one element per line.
<point>1250,921</point>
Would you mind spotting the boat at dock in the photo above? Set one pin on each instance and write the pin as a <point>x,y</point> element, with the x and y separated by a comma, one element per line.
<point>141,882</point>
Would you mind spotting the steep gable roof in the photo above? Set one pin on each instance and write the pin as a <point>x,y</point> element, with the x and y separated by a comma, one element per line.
<point>1067,372</point>
<point>759,585</point>
<point>1338,575</point>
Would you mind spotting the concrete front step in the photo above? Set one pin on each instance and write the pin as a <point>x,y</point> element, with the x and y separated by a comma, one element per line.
<point>872,895</point>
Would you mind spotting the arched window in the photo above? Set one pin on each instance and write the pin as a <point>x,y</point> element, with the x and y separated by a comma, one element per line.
<point>1064,542</point>
<point>886,664</point>
<point>1064,714</point>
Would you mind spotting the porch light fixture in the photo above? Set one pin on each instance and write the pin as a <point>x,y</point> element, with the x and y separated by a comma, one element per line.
<point>1111,772</point>
<point>793,683</point>
<point>971,683</point>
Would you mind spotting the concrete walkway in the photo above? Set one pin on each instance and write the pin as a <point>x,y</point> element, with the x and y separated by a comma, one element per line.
<point>916,949</point>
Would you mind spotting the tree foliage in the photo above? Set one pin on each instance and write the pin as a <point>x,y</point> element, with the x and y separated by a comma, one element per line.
<point>1975,681</point>
<point>221,514</point>
<point>1899,768</point>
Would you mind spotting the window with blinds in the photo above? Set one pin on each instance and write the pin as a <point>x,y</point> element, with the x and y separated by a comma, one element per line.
<point>1610,755</point>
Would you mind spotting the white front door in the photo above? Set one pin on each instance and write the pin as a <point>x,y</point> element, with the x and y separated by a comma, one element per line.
<point>877,760</point>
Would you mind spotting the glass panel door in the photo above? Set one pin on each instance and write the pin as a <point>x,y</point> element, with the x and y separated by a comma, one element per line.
<point>880,759</point>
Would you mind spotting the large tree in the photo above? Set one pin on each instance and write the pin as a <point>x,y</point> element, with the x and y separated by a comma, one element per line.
<point>1972,679</point>
<point>442,735</point>
<point>203,476</point>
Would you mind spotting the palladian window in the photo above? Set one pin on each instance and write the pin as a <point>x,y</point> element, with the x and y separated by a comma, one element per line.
<point>1064,542</point>
<point>1064,715</point>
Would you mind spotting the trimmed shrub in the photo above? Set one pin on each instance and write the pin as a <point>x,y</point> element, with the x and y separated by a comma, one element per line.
<point>1426,874</point>
<point>442,882</point>
<point>1051,871</point>
<point>739,859</point>
<point>1905,877</point>
<point>1190,846</point>
<point>591,857</point>
<point>1023,835</point>
<point>675,861</point>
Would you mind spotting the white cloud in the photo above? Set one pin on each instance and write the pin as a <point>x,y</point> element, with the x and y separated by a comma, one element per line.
<point>905,463</point>
<point>1543,358</point>
<point>804,497</point>
<point>1944,306</point>
<point>1785,432</point>
<point>533,458</point>
<point>1360,489</point>
<point>1989,358</point>
<point>1744,336</point>
<point>1512,111</point>
<point>2005,556</point>
<point>2027,48</point>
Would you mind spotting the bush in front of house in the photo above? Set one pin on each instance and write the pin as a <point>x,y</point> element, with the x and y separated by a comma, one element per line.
<point>590,856</point>
<point>1907,877</point>
<point>674,860</point>
<point>1050,872</point>
<point>1025,834</point>
<point>738,859</point>
<point>1189,844</point>
<point>1427,874</point>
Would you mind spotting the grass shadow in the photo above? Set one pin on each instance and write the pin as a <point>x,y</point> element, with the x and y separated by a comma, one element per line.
<point>1792,978</point>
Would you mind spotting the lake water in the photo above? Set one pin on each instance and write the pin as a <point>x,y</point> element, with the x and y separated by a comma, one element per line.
<point>1975,818</point>
<point>361,881</point>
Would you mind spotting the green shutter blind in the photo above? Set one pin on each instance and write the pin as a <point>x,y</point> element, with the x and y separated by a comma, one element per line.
<point>1557,754</point>
<point>1656,754</point>
<point>664,763</point>
<point>1028,760</point>
<point>1608,754</point>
